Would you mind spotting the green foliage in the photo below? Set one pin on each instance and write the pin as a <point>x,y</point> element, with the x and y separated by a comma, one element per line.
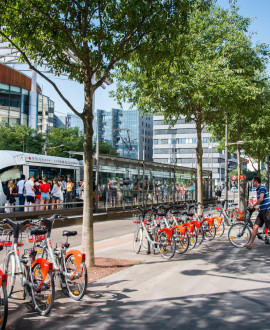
<point>70,139</point>
<point>20,138</point>
<point>106,149</point>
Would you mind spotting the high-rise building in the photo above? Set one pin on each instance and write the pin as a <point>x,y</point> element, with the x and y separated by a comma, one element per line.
<point>15,101</point>
<point>177,145</point>
<point>73,120</point>
<point>129,133</point>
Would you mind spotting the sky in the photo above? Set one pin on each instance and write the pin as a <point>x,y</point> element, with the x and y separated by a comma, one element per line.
<point>257,9</point>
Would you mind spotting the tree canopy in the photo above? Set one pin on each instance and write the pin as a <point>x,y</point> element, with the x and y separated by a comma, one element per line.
<point>209,71</point>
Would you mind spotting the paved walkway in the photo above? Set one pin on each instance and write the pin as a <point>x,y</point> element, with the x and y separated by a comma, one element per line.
<point>215,286</point>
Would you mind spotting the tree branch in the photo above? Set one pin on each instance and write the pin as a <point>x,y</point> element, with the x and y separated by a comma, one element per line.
<point>41,74</point>
<point>63,29</point>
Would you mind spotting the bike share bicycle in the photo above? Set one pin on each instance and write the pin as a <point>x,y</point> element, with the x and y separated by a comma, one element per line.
<point>160,239</point>
<point>240,233</point>
<point>69,266</point>
<point>35,274</point>
<point>3,298</point>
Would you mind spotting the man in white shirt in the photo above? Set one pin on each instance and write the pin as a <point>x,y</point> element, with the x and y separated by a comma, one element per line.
<point>20,185</point>
<point>30,191</point>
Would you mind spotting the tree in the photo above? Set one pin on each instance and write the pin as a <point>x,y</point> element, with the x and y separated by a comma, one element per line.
<point>86,40</point>
<point>63,140</point>
<point>20,138</point>
<point>106,149</point>
<point>204,71</point>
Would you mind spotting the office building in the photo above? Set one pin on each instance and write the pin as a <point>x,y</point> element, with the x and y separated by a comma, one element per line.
<point>73,120</point>
<point>15,101</point>
<point>129,133</point>
<point>177,145</point>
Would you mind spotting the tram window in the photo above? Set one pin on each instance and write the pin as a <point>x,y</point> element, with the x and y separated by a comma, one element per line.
<point>50,172</point>
<point>10,173</point>
<point>34,171</point>
<point>68,173</point>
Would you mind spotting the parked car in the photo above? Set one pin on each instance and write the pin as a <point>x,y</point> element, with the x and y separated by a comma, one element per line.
<point>233,189</point>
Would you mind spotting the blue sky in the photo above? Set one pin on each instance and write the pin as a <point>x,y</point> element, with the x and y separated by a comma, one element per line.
<point>257,9</point>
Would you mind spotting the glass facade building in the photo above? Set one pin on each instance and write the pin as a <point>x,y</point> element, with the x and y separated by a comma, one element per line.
<point>15,101</point>
<point>129,133</point>
<point>14,104</point>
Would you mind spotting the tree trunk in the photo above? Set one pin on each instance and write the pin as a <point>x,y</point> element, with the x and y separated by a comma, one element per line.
<point>88,232</point>
<point>199,153</point>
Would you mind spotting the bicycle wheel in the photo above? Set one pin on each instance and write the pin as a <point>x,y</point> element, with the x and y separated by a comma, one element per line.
<point>181,242</point>
<point>209,231</point>
<point>220,228</point>
<point>192,240</point>
<point>10,270</point>
<point>166,245</point>
<point>200,236</point>
<point>138,239</point>
<point>3,306</point>
<point>43,297</point>
<point>239,235</point>
<point>77,285</point>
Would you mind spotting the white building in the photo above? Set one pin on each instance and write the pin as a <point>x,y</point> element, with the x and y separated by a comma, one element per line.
<point>177,145</point>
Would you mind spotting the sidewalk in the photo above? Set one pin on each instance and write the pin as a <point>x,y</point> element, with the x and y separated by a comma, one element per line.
<point>215,286</point>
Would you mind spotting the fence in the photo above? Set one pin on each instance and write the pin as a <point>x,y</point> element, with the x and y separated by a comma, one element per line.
<point>117,198</point>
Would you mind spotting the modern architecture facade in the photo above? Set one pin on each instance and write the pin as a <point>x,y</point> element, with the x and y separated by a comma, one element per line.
<point>73,120</point>
<point>15,101</point>
<point>130,134</point>
<point>177,145</point>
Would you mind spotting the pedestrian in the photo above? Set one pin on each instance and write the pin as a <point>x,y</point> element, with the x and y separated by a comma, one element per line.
<point>20,185</point>
<point>264,214</point>
<point>45,190</point>
<point>29,192</point>
<point>69,193</point>
<point>37,183</point>
<point>55,193</point>
<point>135,192</point>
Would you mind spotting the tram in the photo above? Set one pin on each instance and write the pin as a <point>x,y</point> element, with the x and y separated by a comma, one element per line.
<point>120,171</point>
<point>14,163</point>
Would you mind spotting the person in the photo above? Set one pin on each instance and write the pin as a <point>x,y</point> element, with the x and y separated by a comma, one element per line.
<point>45,190</point>
<point>55,193</point>
<point>219,192</point>
<point>20,185</point>
<point>69,193</point>
<point>37,193</point>
<point>30,191</point>
<point>264,214</point>
<point>135,192</point>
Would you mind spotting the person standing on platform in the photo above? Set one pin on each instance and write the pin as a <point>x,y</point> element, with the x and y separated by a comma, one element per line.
<point>70,186</point>
<point>30,192</point>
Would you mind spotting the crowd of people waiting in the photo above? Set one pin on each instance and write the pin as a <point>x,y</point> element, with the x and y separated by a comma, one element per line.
<point>42,194</point>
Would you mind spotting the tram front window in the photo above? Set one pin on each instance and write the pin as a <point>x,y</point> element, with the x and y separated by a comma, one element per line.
<point>10,173</point>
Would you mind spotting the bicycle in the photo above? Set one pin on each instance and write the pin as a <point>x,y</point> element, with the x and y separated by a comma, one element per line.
<point>3,298</point>
<point>35,274</point>
<point>160,239</point>
<point>70,266</point>
<point>240,233</point>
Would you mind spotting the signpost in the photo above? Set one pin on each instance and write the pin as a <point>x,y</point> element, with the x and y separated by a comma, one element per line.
<point>234,177</point>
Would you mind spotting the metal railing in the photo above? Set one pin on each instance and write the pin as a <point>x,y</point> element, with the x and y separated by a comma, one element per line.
<point>117,198</point>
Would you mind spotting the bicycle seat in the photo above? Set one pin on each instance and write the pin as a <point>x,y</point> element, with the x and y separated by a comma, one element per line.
<point>38,231</point>
<point>69,233</point>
